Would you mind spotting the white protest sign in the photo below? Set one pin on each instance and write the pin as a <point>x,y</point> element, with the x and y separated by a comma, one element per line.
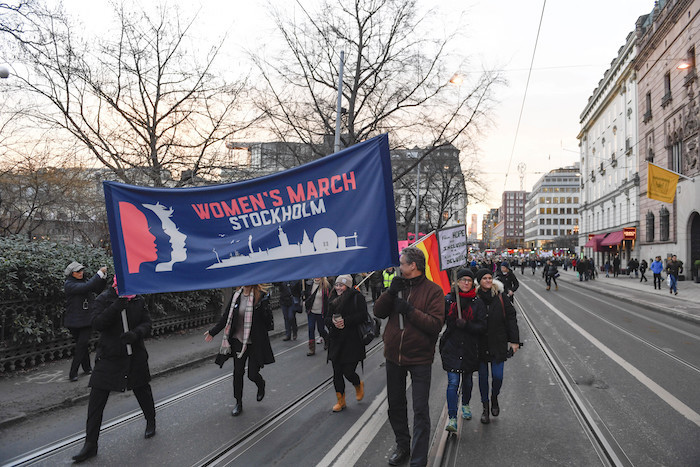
<point>452,246</point>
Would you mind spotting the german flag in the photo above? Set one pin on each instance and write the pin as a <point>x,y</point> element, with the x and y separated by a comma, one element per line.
<point>429,246</point>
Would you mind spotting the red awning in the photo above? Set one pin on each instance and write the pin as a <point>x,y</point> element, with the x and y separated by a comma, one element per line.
<point>613,239</point>
<point>593,242</point>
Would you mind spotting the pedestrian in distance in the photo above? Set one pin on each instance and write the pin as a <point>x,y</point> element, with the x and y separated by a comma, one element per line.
<point>582,269</point>
<point>290,303</point>
<point>523,263</point>
<point>415,320</point>
<point>607,267</point>
<point>508,279</point>
<point>376,282</point>
<point>316,304</point>
<point>551,273</point>
<point>246,321</point>
<point>459,344</point>
<point>121,362</point>
<point>387,276</point>
<point>533,265</point>
<point>347,309</point>
<point>674,268</point>
<point>642,270</point>
<point>502,339</point>
<point>616,265</point>
<point>591,269</point>
<point>80,293</point>
<point>656,267</point>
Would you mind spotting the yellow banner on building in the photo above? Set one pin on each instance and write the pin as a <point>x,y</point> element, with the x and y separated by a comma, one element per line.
<point>661,183</point>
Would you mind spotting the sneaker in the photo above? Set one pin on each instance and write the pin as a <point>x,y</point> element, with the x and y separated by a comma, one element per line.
<point>319,340</point>
<point>466,412</point>
<point>452,425</point>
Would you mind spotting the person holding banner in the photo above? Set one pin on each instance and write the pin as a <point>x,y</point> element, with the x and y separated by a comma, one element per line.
<point>80,292</point>
<point>316,302</point>
<point>245,322</point>
<point>459,343</point>
<point>347,309</point>
<point>502,339</point>
<point>117,369</point>
<point>411,332</point>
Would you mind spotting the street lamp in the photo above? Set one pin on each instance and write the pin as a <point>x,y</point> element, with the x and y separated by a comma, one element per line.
<point>4,72</point>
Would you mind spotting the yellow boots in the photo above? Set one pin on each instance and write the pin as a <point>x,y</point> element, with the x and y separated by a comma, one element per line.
<point>341,402</point>
<point>360,390</point>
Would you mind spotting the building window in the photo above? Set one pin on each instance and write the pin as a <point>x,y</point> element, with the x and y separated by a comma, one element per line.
<point>675,150</point>
<point>667,90</point>
<point>664,224</point>
<point>647,114</point>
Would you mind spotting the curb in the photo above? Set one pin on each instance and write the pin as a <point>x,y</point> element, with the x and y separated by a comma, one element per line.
<point>22,416</point>
<point>649,306</point>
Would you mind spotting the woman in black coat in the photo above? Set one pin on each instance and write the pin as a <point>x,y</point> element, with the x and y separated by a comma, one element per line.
<point>246,320</point>
<point>116,369</point>
<point>459,344</point>
<point>80,293</point>
<point>501,340</point>
<point>347,310</point>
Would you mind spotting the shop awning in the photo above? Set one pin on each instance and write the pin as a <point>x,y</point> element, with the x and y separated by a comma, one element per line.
<point>594,241</point>
<point>613,239</point>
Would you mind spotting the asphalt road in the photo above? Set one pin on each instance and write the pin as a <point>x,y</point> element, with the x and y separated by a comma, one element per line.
<point>636,372</point>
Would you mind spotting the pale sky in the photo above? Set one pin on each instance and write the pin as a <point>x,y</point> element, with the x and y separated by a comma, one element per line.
<point>577,42</point>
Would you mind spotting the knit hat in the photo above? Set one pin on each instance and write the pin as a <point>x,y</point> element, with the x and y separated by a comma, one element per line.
<point>73,267</point>
<point>481,273</point>
<point>465,272</point>
<point>506,264</point>
<point>345,279</point>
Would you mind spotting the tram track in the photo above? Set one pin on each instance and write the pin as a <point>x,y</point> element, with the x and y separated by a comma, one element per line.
<point>220,455</point>
<point>608,450</point>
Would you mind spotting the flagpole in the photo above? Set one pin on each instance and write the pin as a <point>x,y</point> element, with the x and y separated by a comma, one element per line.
<point>674,173</point>
<point>412,244</point>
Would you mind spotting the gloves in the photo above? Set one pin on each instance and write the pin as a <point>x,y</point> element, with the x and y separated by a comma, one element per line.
<point>460,322</point>
<point>397,285</point>
<point>402,306</point>
<point>128,337</point>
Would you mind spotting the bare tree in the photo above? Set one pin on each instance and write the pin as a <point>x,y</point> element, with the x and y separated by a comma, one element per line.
<point>139,101</point>
<point>395,79</point>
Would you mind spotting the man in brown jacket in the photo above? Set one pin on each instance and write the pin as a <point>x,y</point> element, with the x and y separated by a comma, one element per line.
<point>415,321</point>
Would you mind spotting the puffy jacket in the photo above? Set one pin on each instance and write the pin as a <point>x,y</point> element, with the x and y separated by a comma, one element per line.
<point>459,345</point>
<point>656,267</point>
<point>114,369</point>
<point>415,344</point>
<point>80,293</point>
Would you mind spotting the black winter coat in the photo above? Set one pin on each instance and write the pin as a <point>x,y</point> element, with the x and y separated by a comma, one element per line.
<point>114,370</point>
<point>287,291</point>
<point>509,281</point>
<point>259,347</point>
<point>345,345</point>
<point>459,346</point>
<point>502,327</point>
<point>80,293</point>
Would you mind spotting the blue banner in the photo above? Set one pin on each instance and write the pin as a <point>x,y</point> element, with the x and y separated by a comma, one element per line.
<point>332,216</point>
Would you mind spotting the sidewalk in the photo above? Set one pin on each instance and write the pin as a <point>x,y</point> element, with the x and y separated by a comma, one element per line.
<point>685,305</point>
<point>46,387</point>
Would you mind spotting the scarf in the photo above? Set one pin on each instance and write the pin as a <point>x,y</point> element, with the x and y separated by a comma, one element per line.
<point>468,313</point>
<point>225,348</point>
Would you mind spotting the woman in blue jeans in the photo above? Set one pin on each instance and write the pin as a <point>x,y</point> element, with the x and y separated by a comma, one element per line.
<point>459,344</point>
<point>316,304</point>
<point>502,335</point>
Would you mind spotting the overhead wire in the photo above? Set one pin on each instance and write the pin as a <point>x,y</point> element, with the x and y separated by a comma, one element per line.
<point>527,84</point>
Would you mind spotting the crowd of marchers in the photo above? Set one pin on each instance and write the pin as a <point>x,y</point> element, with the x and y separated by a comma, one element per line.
<point>475,323</point>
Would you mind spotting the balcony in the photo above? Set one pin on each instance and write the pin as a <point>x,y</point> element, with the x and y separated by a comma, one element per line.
<point>690,77</point>
<point>601,169</point>
<point>666,100</point>
<point>613,161</point>
<point>647,116</point>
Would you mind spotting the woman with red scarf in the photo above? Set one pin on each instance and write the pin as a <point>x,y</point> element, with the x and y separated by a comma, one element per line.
<point>459,344</point>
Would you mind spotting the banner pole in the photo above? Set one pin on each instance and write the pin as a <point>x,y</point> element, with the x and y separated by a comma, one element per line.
<point>674,173</point>
<point>125,325</point>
